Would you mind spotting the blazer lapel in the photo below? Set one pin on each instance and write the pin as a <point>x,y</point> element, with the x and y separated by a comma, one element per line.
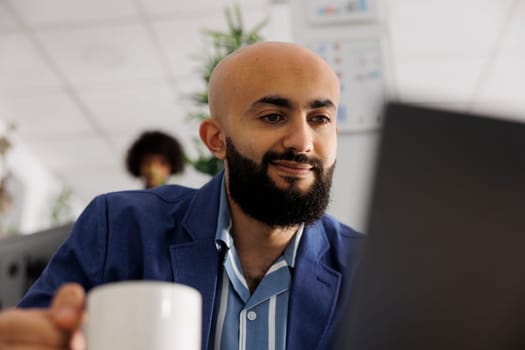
<point>196,263</point>
<point>314,294</point>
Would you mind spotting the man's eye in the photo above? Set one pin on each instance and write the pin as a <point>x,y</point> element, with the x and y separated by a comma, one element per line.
<point>272,118</point>
<point>320,119</point>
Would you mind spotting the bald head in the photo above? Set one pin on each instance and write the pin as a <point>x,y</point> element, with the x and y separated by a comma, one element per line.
<point>268,68</point>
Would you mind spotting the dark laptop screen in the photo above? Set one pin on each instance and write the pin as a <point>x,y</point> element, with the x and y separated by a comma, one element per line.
<point>444,266</point>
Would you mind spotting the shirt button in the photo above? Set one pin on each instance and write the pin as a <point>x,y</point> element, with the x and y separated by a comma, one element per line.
<point>252,315</point>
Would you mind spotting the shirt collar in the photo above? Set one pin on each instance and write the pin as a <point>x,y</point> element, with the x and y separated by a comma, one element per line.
<point>224,221</point>
<point>291,251</point>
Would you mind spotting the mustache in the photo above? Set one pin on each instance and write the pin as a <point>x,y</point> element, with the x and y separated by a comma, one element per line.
<point>291,155</point>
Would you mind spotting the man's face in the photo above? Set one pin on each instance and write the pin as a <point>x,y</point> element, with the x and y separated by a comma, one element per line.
<point>282,144</point>
<point>283,106</point>
<point>257,194</point>
<point>275,108</point>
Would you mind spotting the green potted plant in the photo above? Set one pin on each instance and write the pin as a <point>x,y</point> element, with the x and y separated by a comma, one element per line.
<point>220,45</point>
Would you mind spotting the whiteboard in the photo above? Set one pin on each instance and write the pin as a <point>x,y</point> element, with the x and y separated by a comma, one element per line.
<point>358,64</point>
<point>337,11</point>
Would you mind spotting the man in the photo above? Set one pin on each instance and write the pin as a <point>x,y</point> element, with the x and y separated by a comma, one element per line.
<point>154,157</point>
<point>254,240</point>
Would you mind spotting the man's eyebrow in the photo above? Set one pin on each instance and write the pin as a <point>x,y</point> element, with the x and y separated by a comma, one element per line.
<point>280,101</point>
<point>273,100</point>
<point>322,103</point>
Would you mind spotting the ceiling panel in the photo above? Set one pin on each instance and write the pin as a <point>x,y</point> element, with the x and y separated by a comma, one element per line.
<point>44,117</point>
<point>104,54</point>
<point>38,12</point>
<point>134,106</point>
<point>182,40</point>
<point>21,67</point>
<point>74,151</point>
<point>514,39</point>
<point>183,44</point>
<point>7,22</point>
<point>460,27</point>
<point>180,8</point>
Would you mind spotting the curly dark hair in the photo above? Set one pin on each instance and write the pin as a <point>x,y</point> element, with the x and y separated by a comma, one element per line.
<point>155,142</point>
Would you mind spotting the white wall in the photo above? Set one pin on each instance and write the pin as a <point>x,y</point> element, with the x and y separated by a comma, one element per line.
<point>353,177</point>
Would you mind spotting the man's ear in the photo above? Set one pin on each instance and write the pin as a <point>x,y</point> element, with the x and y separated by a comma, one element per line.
<point>211,134</point>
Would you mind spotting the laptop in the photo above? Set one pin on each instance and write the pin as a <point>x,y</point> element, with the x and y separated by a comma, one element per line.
<point>444,264</point>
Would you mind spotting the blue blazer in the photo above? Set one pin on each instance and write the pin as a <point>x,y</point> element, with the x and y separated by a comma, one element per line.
<point>168,234</point>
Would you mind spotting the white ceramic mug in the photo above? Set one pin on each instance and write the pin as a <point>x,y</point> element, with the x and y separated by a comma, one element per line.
<point>143,315</point>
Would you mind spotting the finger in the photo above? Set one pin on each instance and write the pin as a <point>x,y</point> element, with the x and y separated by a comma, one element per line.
<point>31,327</point>
<point>78,341</point>
<point>67,308</point>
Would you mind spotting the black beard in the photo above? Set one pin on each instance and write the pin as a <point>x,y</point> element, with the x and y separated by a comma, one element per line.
<point>260,198</point>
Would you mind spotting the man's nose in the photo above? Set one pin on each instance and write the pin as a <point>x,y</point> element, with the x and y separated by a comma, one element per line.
<point>299,136</point>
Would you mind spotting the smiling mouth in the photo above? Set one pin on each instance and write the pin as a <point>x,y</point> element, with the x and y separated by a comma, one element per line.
<point>291,168</point>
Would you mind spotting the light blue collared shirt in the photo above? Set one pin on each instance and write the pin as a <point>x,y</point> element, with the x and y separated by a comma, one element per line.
<point>243,320</point>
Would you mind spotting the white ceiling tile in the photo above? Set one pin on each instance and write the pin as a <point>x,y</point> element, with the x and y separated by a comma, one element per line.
<point>184,44</point>
<point>73,151</point>
<point>445,79</point>
<point>7,23</point>
<point>164,7</point>
<point>45,116</point>
<point>105,54</point>
<point>21,66</point>
<point>127,111</point>
<point>461,27</point>
<point>134,106</point>
<point>37,12</point>
<point>514,41</point>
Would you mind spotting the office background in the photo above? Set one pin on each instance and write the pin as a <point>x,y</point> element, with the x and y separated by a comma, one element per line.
<point>81,79</point>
